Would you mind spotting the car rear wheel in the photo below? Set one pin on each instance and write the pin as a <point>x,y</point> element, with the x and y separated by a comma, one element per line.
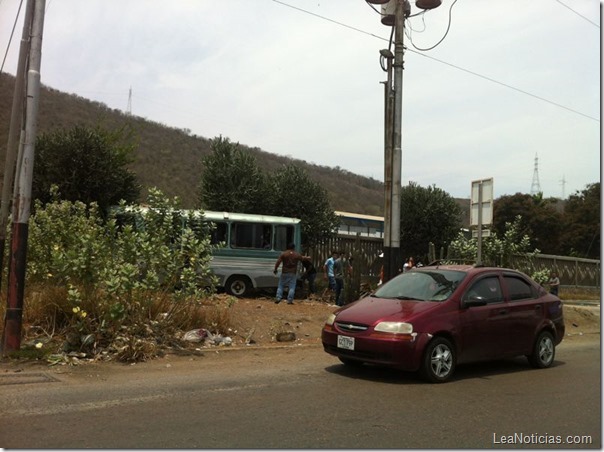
<point>439,360</point>
<point>351,362</point>
<point>238,286</point>
<point>544,351</point>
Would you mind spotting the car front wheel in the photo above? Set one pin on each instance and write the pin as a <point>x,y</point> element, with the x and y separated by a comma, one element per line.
<point>439,360</point>
<point>544,351</point>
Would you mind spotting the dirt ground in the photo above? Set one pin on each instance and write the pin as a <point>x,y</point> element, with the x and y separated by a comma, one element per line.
<point>258,322</point>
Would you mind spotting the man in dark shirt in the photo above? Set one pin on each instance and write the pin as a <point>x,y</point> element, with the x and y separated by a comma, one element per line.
<point>289,272</point>
<point>310,274</point>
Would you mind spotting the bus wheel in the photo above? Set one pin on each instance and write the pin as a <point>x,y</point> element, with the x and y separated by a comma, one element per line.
<point>239,286</point>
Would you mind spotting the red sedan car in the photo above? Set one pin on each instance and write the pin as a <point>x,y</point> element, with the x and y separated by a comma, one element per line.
<point>432,318</point>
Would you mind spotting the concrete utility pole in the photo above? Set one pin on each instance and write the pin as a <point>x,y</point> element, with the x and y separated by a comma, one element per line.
<point>393,141</point>
<point>402,10</point>
<point>394,13</point>
<point>11,339</point>
<point>388,56</point>
<point>16,123</point>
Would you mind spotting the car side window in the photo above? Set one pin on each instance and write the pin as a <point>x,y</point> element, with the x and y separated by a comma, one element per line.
<point>487,289</point>
<point>519,289</point>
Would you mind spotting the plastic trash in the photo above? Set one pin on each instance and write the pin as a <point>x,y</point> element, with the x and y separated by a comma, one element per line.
<point>196,335</point>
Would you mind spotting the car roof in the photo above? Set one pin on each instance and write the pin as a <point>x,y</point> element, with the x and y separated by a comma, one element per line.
<point>466,268</point>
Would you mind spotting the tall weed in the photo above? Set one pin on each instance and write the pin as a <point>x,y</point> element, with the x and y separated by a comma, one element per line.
<point>112,288</point>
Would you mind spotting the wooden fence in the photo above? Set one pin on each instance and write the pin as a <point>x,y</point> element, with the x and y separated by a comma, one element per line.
<point>366,264</point>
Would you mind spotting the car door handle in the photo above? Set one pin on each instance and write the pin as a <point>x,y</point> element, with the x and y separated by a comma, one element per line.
<point>503,312</point>
<point>537,307</point>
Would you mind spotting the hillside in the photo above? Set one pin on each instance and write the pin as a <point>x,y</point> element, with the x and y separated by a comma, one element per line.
<point>170,158</point>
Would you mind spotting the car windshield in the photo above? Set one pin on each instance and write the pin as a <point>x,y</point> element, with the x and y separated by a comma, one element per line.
<point>422,285</point>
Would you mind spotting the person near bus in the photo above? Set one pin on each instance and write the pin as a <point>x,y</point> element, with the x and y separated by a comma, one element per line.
<point>289,272</point>
<point>328,272</point>
<point>310,274</point>
<point>341,269</point>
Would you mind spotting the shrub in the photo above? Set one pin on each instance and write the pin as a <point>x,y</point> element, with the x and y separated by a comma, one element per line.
<point>115,289</point>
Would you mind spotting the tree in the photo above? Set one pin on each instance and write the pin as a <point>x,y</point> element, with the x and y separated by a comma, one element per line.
<point>427,215</point>
<point>510,250</point>
<point>85,164</point>
<point>231,180</point>
<point>581,234</point>
<point>541,221</point>
<point>297,195</point>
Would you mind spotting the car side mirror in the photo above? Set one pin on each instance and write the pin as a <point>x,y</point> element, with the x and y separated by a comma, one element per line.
<point>473,302</point>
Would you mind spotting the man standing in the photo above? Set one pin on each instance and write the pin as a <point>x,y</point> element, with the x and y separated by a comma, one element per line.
<point>310,273</point>
<point>329,275</point>
<point>289,273</point>
<point>341,269</point>
<point>554,283</point>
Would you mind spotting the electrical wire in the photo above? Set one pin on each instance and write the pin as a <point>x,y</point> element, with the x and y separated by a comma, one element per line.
<point>444,62</point>
<point>444,36</point>
<point>507,86</point>
<point>11,36</point>
<point>578,14</point>
<point>328,19</point>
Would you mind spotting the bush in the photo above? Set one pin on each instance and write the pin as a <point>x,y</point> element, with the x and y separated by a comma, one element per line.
<point>111,289</point>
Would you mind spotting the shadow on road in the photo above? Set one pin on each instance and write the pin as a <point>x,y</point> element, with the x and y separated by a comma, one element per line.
<point>483,370</point>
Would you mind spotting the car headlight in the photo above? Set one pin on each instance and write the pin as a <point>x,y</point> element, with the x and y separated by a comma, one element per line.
<point>394,327</point>
<point>330,319</point>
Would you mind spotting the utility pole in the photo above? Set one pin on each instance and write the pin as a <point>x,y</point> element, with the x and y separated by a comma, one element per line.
<point>11,339</point>
<point>388,56</point>
<point>394,13</point>
<point>402,11</point>
<point>16,122</point>
<point>393,137</point>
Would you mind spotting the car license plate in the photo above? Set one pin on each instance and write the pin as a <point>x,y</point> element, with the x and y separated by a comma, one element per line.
<point>346,342</point>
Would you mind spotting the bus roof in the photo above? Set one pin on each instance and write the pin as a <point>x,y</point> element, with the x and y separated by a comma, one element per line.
<point>248,217</point>
<point>231,216</point>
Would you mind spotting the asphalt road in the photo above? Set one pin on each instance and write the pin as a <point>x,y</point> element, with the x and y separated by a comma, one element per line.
<point>302,398</point>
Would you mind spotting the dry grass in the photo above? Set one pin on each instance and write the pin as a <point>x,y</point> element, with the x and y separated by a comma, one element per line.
<point>154,322</point>
<point>580,293</point>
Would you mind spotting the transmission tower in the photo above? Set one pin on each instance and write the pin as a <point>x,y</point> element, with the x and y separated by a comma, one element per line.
<point>129,108</point>
<point>563,183</point>
<point>536,186</point>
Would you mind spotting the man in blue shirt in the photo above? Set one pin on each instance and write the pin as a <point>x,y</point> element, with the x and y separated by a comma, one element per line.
<point>329,273</point>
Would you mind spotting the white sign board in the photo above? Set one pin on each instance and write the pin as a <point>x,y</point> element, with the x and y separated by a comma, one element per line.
<point>485,204</point>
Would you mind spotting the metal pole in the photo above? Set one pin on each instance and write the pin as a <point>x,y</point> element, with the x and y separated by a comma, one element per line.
<point>11,339</point>
<point>395,225</point>
<point>479,232</point>
<point>16,122</point>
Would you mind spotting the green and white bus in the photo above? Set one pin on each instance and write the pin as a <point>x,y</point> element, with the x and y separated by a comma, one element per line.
<point>251,246</point>
<point>245,247</point>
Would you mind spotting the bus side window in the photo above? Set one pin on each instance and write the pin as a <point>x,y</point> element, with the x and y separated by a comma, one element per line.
<point>283,236</point>
<point>267,240</point>
<point>219,234</point>
<point>251,235</point>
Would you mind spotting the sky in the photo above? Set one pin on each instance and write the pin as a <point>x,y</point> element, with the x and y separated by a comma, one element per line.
<point>508,90</point>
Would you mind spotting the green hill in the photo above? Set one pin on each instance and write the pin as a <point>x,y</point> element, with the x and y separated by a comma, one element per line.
<point>170,158</point>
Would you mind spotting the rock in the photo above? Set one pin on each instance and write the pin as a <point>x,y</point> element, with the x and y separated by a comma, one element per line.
<point>286,337</point>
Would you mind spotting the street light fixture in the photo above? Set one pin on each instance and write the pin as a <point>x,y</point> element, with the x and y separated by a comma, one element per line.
<point>427,4</point>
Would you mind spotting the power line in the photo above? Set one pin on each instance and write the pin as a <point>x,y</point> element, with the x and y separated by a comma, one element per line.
<point>444,62</point>
<point>11,36</point>
<point>329,20</point>
<point>507,86</point>
<point>578,14</point>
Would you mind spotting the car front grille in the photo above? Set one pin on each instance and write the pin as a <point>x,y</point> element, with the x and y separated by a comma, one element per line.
<point>351,327</point>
